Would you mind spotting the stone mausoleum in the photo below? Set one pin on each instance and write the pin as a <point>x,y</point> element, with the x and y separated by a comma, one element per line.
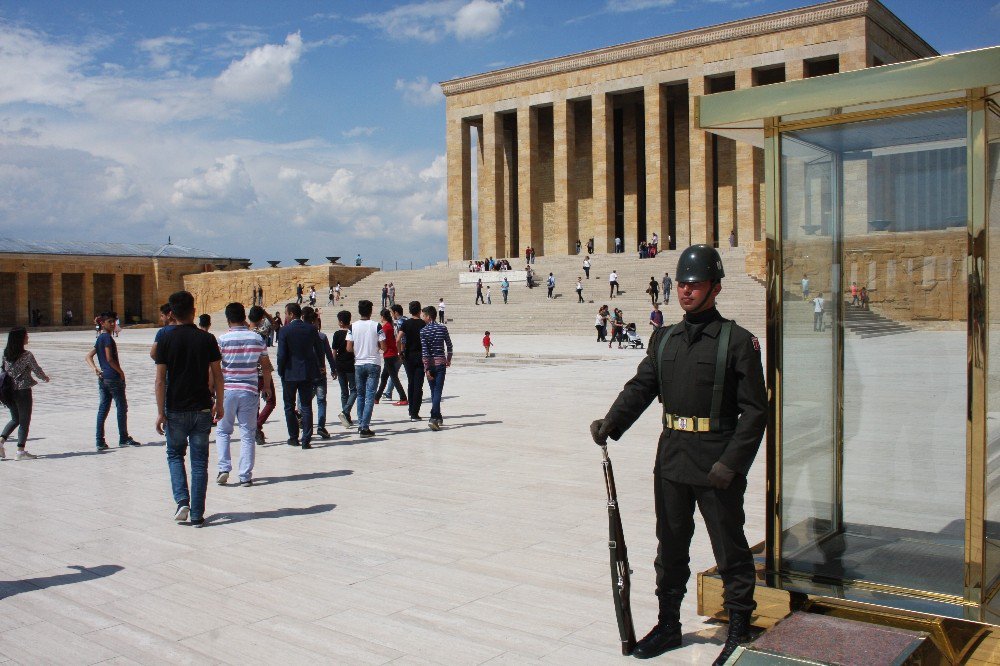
<point>607,143</point>
<point>88,278</point>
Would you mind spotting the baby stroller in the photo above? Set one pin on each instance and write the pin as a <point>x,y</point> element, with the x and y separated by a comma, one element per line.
<point>632,339</point>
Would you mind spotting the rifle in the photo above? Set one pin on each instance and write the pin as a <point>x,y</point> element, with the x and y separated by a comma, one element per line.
<point>620,571</point>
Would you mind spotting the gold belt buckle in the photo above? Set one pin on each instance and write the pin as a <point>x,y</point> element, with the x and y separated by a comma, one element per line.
<point>682,423</point>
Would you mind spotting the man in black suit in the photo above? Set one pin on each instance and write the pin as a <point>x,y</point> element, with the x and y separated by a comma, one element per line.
<point>299,348</point>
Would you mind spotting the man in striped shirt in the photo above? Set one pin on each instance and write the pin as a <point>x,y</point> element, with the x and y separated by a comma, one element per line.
<point>242,350</point>
<point>436,349</point>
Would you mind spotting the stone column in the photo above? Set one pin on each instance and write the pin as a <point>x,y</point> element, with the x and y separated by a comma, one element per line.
<point>794,70</point>
<point>528,231</point>
<point>602,145</point>
<point>491,195</point>
<point>701,195</point>
<point>656,163</point>
<point>561,239</point>
<point>118,296</point>
<point>630,180</point>
<point>21,298</point>
<point>87,313</point>
<point>459,192</point>
<point>747,191</point>
<point>682,166</point>
<point>55,282</point>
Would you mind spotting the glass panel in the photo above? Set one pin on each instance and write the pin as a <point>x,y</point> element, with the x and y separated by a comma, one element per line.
<point>991,581</point>
<point>809,332</point>
<point>898,189</point>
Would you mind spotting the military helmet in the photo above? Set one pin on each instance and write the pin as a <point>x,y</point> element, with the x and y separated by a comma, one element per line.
<point>699,263</point>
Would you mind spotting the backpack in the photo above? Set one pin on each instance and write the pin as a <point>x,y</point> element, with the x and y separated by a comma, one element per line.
<point>6,386</point>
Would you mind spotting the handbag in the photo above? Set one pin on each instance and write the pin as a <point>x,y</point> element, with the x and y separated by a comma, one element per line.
<point>6,386</point>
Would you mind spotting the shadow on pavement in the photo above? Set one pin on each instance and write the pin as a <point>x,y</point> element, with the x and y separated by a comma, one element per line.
<point>242,516</point>
<point>9,588</point>
<point>270,480</point>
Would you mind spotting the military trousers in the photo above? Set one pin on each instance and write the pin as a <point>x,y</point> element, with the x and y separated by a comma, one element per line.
<point>724,519</point>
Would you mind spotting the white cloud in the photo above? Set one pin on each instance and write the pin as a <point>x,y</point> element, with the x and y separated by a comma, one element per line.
<point>359,131</point>
<point>226,184</point>
<point>431,21</point>
<point>622,6</point>
<point>162,50</point>
<point>262,73</point>
<point>420,92</point>
<point>437,169</point>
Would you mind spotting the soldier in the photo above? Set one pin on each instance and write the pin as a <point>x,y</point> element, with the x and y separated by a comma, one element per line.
<point>707,372</point>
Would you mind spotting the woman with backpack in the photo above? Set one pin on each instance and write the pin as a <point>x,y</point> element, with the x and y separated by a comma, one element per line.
<point>19,364</point>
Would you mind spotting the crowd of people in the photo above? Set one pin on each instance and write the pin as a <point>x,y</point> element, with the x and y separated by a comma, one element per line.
<point>490,264</point>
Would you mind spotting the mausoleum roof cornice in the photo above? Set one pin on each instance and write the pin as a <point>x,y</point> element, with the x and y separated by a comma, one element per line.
<point>827,12</point>
<point>100,249</point>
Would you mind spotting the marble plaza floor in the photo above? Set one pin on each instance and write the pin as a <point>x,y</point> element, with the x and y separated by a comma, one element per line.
<point>482,543</point>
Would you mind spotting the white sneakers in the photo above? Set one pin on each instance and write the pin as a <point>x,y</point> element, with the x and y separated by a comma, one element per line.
<point>24,455</point>
<point>182,513</point>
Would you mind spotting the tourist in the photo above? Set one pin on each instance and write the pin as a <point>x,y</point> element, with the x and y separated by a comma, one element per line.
<point>527,255</point>
<point>805,287</point>
<point>260,295</point>
<point>205,322</point>
<point>550,283</point>
<point>299,352</point>
<point>654,243</point>
<point>392,294</point>
<point>668,285</point>
<point>385,295</point>
<point>600,323</point>
<point>590,246</point>
<point>818,312</point>
<point>656,317</point>
<point>118,324</point>
<point>329,296</point>
<point>312,296</point>
<point>408,342</point>
<point>345,369</point>
<point>732,238</point>
<point>440,310</point>
<point>110,383</point>
<point>298,293</point>
<point>579,290</point>
<point>586,266</point>
<point>436,351</point>
<point>579,246</point>
<point>188,404</point>
<point>243,352</point>
<point>487,343</point>
<point>167,324</point>
<point>504,289</point>
<point>854,293</point>
<point>336,294</point>
<point>276,324</point>
<point>654,289</point>
<point>479,292</point>
<point>618,245</point>
<point>613,281</point>
<point>321,384</point>
<point>390,360</point>
<point>69,317</point>
<point>253,295</point>
<point>265,382</point>
<point>864,298</point>
<point>617,328</point>
<point>366,339</point>
<point>530,277</point>
<point>357,260</point>
<point>20,365</point>
<point>489,296</point>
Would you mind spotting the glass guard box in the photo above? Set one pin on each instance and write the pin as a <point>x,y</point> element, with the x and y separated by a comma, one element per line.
<point>883,446</point>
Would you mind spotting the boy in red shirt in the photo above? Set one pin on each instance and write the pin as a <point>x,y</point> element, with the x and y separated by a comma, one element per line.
<point>390,360</point>
<point>487,344</point>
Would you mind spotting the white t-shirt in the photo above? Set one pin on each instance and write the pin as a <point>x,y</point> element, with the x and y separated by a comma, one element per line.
<point>613,277</point>
<point>366,334</point>
<point>440,305</point>
<point>817,304</point>
<point>586,263</point>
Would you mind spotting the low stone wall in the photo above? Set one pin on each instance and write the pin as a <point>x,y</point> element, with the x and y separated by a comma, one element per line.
<point>213,291</point>
<point>493,277</point>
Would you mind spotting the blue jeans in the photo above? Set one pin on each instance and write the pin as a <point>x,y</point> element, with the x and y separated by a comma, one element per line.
<point>348,392</point>
<point>240,407</point>
<point>304,391</point>
<point>437,387</point>
<point>320,389</point>
<point>366,376</point>
<point>112,388</point>
<point>189,429</point>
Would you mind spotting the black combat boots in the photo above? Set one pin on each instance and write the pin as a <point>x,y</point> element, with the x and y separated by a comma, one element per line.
<point>739,632</point>
<point>664,636</point>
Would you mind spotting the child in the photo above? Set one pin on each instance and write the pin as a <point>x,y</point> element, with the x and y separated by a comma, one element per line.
<point>205,322</point>
<point>487,344</point>
<point>489,298</point>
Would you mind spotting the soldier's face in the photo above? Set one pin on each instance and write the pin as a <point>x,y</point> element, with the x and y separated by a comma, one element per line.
<point>692,295</point>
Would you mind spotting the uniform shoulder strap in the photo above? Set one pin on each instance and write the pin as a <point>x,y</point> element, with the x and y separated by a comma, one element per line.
<point>721,357</point>
<point>660,348</point>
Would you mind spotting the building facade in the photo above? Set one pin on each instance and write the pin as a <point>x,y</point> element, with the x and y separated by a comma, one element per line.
<point>41,281</point>
<point>606,144</point>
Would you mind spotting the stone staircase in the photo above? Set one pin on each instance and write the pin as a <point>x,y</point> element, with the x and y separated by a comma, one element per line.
<point>857,321</point>
<point>529,311</point>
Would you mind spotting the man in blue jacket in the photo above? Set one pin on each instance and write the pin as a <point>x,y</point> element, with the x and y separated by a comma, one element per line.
<point>299,351</point>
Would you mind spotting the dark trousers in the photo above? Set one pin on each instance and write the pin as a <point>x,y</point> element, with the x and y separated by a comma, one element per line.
<point>269,405</point>
<point>586,271</point>
<point>112,388</point>
<point>390,368</point>
<point>304,392</point>
<point>441,315</point>
<point>414,383</point>
<point>20,417</point>
<point>724,519</point>
<point>479,297</point>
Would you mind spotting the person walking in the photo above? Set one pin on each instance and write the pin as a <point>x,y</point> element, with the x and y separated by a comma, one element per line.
<point>188,404</point>
<point>390,360</point>
<point>298,293</point>
<point>656,317</point>
<point>345,369</point>
<point>618,245</point>
<point>260,321</point>
<point>243,351</point>
<point>487,343</point>
<point>586,266</point>
<point>818,312</point>
<point>366,339</point>
<point>579,290</point>
<point>392,294</point>
<point>551,284</point>
<point>613,282</point>
<point>489,296</point>
<point>110,383</point>
<point>260,295</point>
<point>436,351</point>
<point>385,295</point>
<point>312,296</point>
<point>479,292</point>
<point>299,351</point>
<point>504,289</point>
<point>668,285</point>
<point>336,294</point>
<point>205,322</point>
<point>654,289</point>
<point>321,384</point>
<point>329,296</point>
<point>408,342</point>
<point>440,310</point>
<point>805,287</point>
<point>854,293</point>
<point>714,420</point>
<point>20,365</point>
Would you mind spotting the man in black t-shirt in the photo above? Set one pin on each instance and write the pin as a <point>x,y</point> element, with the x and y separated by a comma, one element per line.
<point>185,404</point>
<point>409,335</point>
<point>344,361</point>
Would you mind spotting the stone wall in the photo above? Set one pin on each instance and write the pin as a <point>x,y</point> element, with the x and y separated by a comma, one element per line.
<point>213,291</point>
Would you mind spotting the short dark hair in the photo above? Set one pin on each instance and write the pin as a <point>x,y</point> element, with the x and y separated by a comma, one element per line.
<point>235,313</point>
<point>385,314</point>
<point>430,311</point>
<point>205,321</point>
<point>308,312</point>
<point>165,309</point>
<point>414,308</point>
<point>397,309</point>
<point>294,309</point>
<point>344,317</point>
<point>365,308</point>
<point>182,304</point>
<point>256,314</point>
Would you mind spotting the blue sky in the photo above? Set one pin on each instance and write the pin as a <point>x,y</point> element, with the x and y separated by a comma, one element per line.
<point>274,130</point>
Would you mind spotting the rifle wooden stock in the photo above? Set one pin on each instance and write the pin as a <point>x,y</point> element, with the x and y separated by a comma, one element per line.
<point>620,571</point>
